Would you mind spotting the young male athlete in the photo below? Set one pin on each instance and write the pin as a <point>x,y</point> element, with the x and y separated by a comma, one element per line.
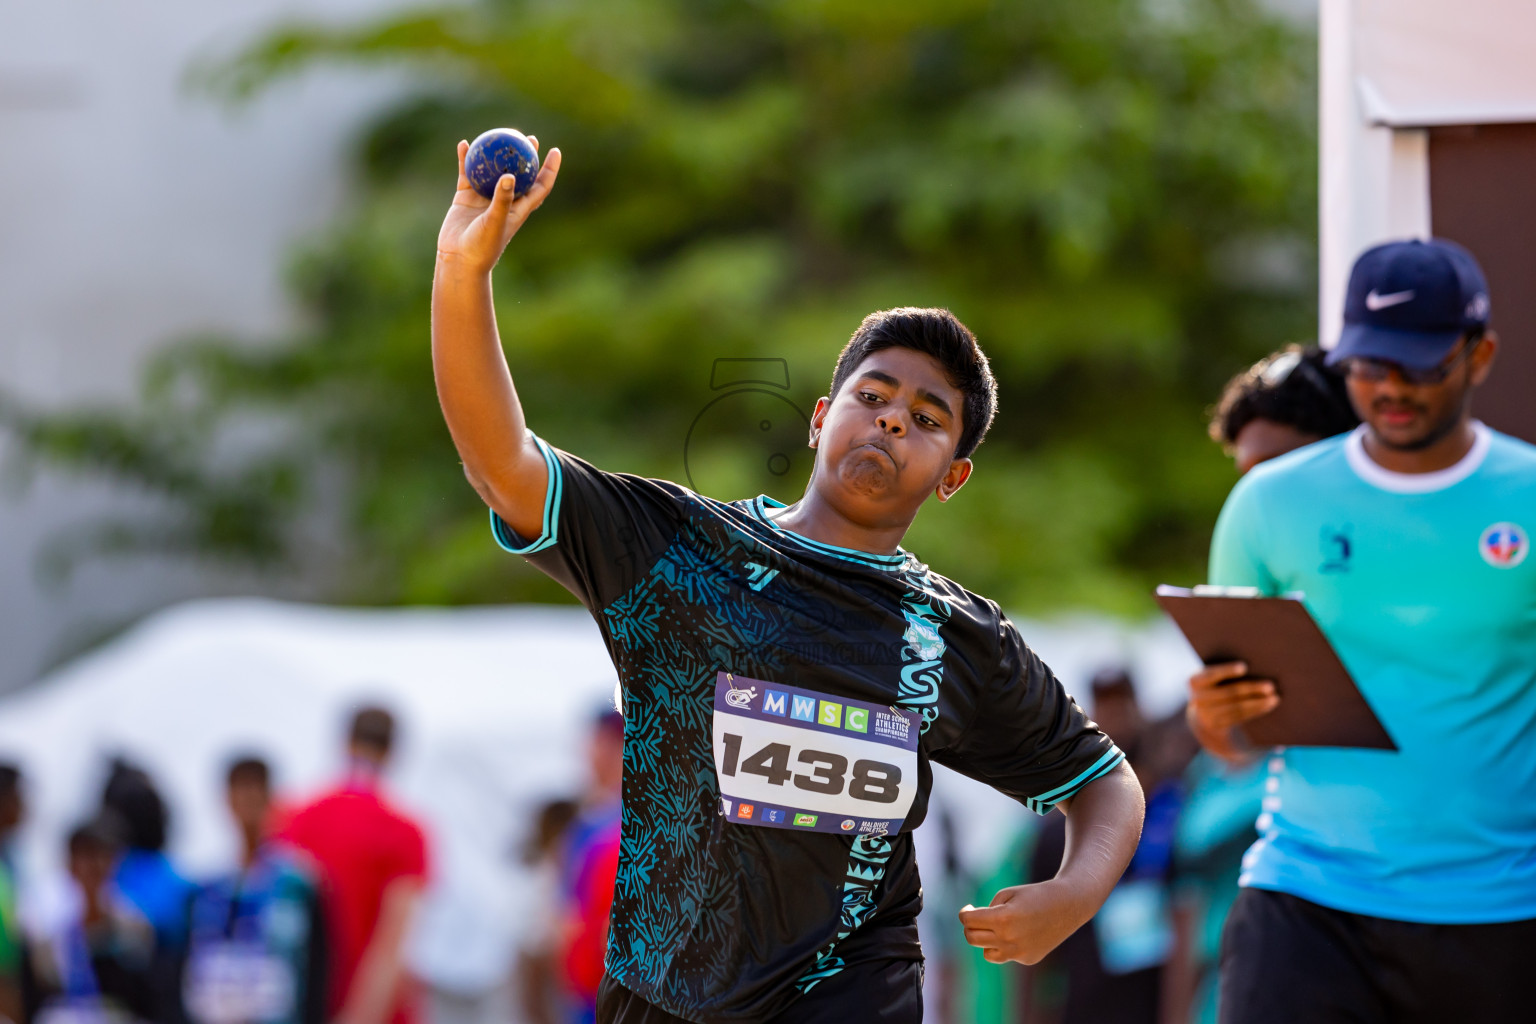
<point>1394,886</point>
<point>788,674</point>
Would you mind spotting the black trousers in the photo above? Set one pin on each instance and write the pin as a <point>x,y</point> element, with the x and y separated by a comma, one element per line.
<point>1285,961</point>
<point>877,992</point>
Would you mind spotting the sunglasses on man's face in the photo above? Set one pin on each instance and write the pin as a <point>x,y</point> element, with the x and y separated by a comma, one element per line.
<point>1366,368</point>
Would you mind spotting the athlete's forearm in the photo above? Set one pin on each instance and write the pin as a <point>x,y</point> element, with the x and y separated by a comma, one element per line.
<point>479,401</point>
<point>1026,922</point>
<point>1103,828</point>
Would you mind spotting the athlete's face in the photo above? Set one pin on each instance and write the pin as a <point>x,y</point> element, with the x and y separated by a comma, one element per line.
<point>1410,417</point>
<point>887,440</point>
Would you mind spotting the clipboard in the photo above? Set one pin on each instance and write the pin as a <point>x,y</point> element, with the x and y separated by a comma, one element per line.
<point>1320,705</point>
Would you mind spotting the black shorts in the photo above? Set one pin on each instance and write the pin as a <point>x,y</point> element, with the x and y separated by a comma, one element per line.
<point>876,992</point>
<point>1285,960</point>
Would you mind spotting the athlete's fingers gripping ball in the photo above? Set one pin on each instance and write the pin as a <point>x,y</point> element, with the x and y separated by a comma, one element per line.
<point>478,227</point>
<point>499,152</point>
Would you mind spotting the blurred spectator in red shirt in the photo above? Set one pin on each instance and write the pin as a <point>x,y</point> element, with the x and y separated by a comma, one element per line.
<point>374,862</point>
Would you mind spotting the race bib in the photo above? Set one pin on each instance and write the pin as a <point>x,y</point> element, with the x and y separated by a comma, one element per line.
<point>80,1010</point>
<point>231,983</point>
<point>797,759</point>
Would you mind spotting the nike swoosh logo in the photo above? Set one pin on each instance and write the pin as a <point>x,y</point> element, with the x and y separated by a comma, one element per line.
<point>1373,302</point>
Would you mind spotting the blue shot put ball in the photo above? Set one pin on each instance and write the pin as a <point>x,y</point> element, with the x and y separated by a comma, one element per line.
<point>497,152</point>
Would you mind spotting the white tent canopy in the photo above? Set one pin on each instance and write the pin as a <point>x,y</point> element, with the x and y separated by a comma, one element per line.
<point>494,705</point>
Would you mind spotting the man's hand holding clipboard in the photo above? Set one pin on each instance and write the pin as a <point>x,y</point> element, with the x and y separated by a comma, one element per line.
<point>1219,704</point>
<point>1271,677</point>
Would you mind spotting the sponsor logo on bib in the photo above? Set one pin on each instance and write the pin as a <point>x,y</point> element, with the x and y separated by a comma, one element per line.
<point>1504,545</point>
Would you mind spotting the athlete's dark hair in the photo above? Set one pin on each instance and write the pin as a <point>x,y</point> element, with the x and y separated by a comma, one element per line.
<point>252,771</point>
<point>132,796</point>
<point>940,334</point>
<point>373,727</point>
<point>1293,387</point>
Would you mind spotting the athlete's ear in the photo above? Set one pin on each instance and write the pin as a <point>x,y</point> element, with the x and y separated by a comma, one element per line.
<point>959,473</point>
<point>818,418</point>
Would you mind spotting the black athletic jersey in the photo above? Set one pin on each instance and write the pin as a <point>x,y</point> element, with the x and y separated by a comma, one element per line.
<point>716,919</point>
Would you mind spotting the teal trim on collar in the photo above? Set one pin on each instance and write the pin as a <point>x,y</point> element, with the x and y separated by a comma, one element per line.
<point>762,503</point>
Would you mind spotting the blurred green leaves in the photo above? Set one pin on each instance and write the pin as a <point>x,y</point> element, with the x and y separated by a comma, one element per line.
<point>749,179</point>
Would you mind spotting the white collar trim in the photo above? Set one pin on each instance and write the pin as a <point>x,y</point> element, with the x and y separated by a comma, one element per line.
<point>1372,472</point>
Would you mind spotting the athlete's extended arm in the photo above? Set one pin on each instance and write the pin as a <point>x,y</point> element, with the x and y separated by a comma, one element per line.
<point>474,385</point>
<point>1026,922</point>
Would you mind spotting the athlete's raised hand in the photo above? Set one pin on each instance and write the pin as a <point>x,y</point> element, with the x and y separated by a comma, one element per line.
<point>476,229</point>
<point>1217,706</point>
<point>474,385</point>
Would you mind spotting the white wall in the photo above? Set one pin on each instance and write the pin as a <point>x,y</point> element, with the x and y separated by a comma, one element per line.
<point>132,213</point>
<point>1390,69</point>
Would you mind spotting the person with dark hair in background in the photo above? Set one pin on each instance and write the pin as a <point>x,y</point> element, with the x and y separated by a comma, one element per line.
<point>592,863</point>
<point>145,875</point>
<point>1109,971</point>
<point>256,946</point>
<point>98,965</point>
<point>540,977</point>
<point>12,810</point>
<point>373,859</point>
<point>1284,401</point>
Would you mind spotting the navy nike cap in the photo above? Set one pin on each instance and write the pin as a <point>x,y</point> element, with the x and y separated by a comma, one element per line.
<point>1410,302</point>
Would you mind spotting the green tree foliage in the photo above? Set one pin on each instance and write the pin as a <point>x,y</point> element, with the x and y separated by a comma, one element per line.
<point>1116,195</point>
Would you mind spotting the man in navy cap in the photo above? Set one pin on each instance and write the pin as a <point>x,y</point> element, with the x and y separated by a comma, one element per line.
<point>1393,885</point>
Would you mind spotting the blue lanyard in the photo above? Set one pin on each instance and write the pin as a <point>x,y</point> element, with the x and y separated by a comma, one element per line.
<point>234,908</point>
<point>79,975</point>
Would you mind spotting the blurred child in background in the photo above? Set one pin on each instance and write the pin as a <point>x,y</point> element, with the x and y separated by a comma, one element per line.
<point>541,984</point>
<point>144,874</point>
<point>12,809</point>
<point>96,965</point>
<point>592,864</point>
<point>257,950</point>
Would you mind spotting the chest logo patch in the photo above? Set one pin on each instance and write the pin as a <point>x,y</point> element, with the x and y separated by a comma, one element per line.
<point>1504,545</point>
<point>1336,547</point>
<point>787,757</point>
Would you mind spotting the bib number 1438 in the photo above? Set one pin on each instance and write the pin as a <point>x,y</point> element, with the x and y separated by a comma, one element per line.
<point>825,772</point>
<point>788,757</point>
